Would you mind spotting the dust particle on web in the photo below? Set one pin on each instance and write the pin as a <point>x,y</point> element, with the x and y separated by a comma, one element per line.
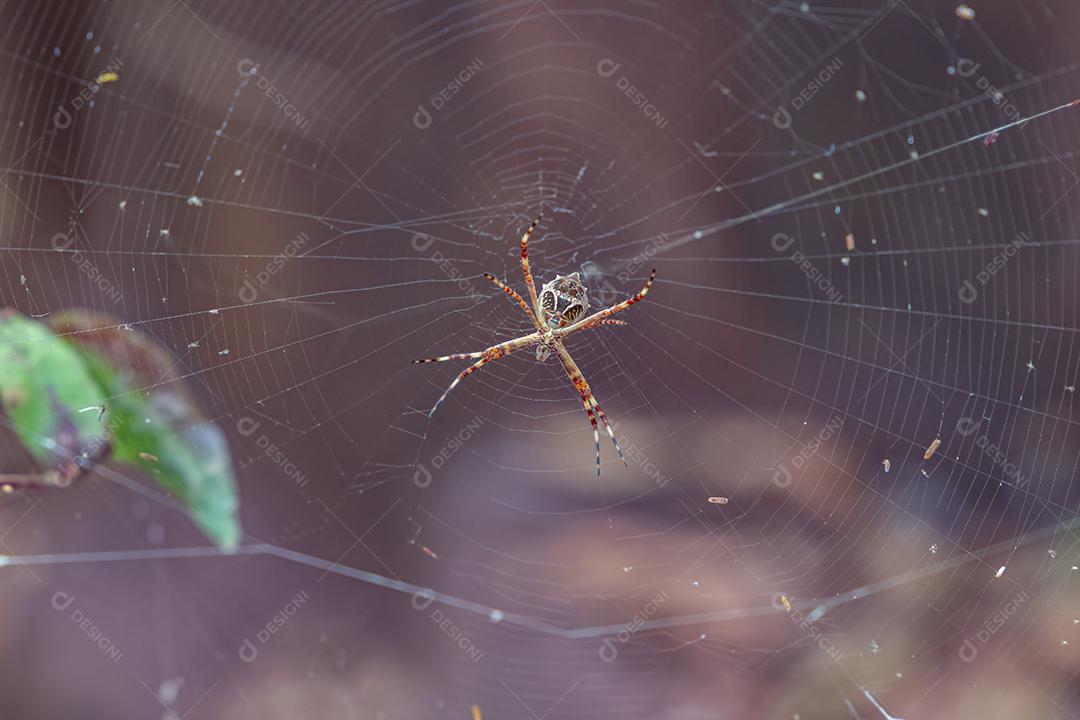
<point>716,500</point>
<point>786,603</point>
<point>429,552</point>
<point>1000,571</point>
<point>476,713</point>
<point>148,457</point>
<point>860,96</point>
<point>984,212</point>
<point>194,201</point>
<point>887,464</point>
<point>849,242</point>
<point>107,77</point>
<point>964,12</point>
<point>819,176</point>
<point>932,449</point>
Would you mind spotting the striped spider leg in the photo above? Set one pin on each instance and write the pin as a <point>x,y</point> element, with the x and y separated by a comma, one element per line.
<point>555,313</point>
<point>574,372</point>
<point>485,356</point>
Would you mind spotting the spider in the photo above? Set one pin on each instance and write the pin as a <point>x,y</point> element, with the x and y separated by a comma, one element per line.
<point>560,311</point>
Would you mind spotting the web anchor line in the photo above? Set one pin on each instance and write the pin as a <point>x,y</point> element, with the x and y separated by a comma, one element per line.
<point>703,232</point>
<point>523,621</point>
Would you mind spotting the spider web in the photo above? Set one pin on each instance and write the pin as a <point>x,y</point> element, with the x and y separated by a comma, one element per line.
<point>847,403</point>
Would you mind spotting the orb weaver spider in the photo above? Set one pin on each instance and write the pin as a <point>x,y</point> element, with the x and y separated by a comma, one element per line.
<point>560,311</point>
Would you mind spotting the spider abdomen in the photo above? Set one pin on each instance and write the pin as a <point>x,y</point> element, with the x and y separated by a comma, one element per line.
<point>564,301</point>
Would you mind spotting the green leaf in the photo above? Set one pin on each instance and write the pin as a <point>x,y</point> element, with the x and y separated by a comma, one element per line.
<point>155,424</point>
<point>46,391</point>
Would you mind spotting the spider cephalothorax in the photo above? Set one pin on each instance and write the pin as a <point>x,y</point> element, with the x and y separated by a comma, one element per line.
<point>559,312</point>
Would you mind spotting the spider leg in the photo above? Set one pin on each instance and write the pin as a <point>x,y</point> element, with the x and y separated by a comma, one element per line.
<point>607,426</point>
<point>497,350</point>
<point>492,353</point>
<point>514,296</point>
<point>597,317</point>
<point>574,372</point>
<point>612,322</point>
<point>525,266</point>
<point>464,373</point>
<point>595,430</point>
<point>444,358</point>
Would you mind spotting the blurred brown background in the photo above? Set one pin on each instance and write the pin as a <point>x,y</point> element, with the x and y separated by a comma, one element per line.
<point>298,198</point>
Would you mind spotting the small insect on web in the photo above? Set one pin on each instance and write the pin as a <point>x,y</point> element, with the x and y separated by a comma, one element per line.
<point>557,312</point>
